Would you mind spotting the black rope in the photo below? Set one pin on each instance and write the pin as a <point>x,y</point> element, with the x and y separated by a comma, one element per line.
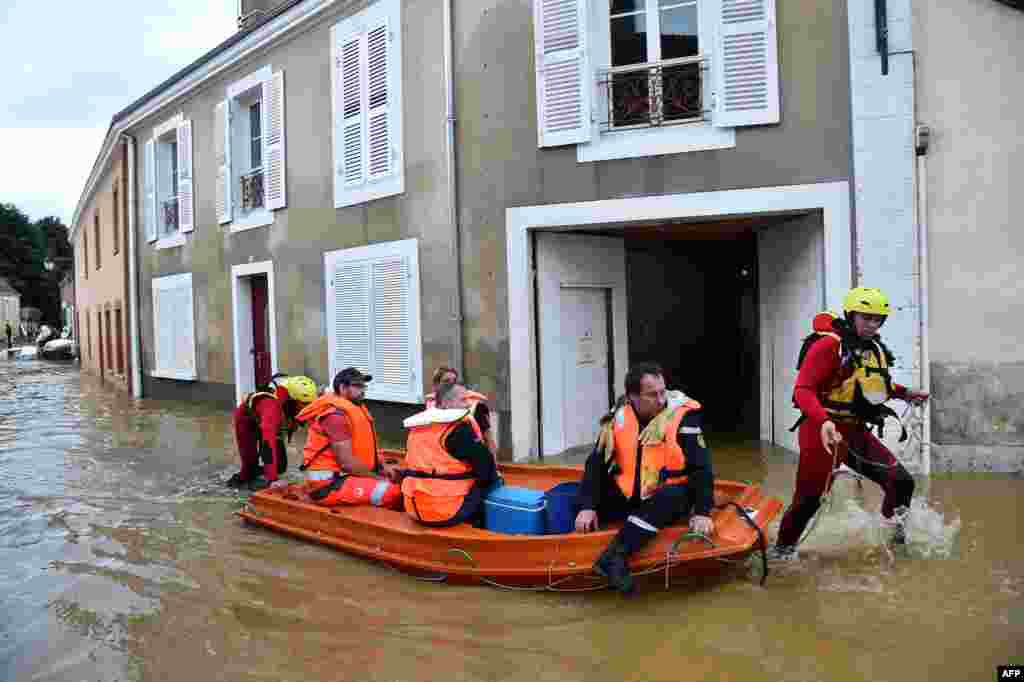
<point>760,537</point>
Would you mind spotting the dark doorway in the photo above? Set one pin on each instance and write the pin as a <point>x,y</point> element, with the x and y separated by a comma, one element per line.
<point>260,330</point>
<point>693,309</point>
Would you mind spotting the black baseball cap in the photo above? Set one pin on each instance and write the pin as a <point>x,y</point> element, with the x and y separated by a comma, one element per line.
<point>351,375</point>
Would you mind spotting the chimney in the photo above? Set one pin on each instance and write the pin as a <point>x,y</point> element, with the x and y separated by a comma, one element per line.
<point>252,12</point>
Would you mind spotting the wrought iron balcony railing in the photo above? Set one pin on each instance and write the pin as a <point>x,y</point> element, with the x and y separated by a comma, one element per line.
<point>654,94</point>
<point>170,215</point>
<point>252,190</point>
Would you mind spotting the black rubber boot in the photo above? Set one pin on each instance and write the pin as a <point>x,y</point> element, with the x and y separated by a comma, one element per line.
<point>236,481</point>
<point>614,561</point>
<point>613,565</point>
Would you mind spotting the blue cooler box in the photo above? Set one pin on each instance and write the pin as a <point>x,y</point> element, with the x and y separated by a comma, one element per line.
<point>509,509</point>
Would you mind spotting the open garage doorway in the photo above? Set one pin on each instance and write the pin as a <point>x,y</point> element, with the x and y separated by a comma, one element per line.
<point>721,304</point>
<point>719,288</point>
<point>692,297</point>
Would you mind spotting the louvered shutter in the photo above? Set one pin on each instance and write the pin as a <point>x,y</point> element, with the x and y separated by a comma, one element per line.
<point>173,319</point>
<point>746,64</point>
<point>350,119</point>
<point>378,103</point>
<point>564,82</point>
<point>273,142</point>
<point>149,190</point>
<point>373,317</point>
<point>186,217</point>
<point>350,324</point>
<point>391,353</point>
<point>222,150</point>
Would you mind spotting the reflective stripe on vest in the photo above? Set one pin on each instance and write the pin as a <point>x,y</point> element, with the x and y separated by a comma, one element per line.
<point>662,463</point>
<point>317,454</point>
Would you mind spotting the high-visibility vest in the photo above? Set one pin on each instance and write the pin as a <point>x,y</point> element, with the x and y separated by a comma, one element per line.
<point>317,455</point>
<point>435,483</point>
<point>662,462</point>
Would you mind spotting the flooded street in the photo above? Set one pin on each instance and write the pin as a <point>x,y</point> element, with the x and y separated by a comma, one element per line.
<point>122,560</point>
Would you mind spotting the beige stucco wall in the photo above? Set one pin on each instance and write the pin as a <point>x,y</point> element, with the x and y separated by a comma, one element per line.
<point>310,225</point>
<point>969,60</point>
<point>103,289</point>
<point>972,97</point>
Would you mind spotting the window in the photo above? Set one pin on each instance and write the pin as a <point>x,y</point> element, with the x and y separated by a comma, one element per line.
<point>630,78</point>
<point>168,183</point>
<point>96,237</point>
<point>85,253</point>
<point>88,345</point>
<point>373,317</point>
<point>656,66</point>
<point>249,145</point>
<point>117,213</point>
<point>174,328</point>
<point>119,335</point>
<point>367,105</point>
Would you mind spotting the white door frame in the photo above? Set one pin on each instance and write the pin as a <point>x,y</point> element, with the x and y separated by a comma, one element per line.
<point>831,198</point>
<point>241,308</point>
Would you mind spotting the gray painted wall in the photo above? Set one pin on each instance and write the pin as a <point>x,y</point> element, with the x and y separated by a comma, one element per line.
<point>310,225</point>
<point>500,165</point>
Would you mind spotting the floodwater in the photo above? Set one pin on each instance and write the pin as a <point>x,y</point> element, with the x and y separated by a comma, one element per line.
<point>121,559</point>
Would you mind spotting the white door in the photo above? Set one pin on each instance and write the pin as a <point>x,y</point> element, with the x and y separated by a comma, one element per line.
<point>791,266</point>
<point>585,372</point>
<point>575,276</point>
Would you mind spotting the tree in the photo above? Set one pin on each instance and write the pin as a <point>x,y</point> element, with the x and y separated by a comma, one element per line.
<point>25,247</point>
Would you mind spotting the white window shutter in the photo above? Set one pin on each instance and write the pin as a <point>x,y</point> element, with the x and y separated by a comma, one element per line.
<point>186,215</point>
<point>746,64</point>
<point>373,317</point>
<point>149,190</point>
<point>273,142</point>
<point>174,327</point>
<point>564,81</point>
<point>349,313</point>
<point>380,152</point>
<point>222,150</point>
<point>351,112</point>
<point>391,351</point>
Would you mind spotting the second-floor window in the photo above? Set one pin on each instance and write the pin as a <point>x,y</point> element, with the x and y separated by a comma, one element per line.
<point>96,237</point>
<point>656,65</point>
<point>249,145</point>
<point>168,182</point>
<point>116,218</point>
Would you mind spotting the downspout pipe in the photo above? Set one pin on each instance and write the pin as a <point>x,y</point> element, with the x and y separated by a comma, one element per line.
<point>450,172</point>
<point>133,270</point>
<point>921,147</point>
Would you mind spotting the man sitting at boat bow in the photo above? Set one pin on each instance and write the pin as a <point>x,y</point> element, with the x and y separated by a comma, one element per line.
<point>650,466</point>
<point>448,464</point>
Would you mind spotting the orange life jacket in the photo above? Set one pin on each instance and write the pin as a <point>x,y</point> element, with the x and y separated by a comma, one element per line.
<point>435,483</point>
<point>472,397</point>
<point>662,462</point>
<point>318,455</point>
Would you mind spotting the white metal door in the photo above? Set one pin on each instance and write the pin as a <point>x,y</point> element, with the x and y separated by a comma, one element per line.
<point>585,369</point>
<point>791,261</point>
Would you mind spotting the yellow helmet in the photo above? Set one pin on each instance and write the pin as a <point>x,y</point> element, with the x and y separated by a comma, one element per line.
<point>301,389</point>
<point>866,300</point>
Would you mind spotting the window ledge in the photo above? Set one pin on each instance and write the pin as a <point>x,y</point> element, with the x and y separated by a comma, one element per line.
<point>170,242</point>
<point>172,374</point>
<point>255,218</point>
<point>678,139</point>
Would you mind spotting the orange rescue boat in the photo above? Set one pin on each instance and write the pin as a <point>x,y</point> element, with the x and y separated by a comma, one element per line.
<point>464,554</point>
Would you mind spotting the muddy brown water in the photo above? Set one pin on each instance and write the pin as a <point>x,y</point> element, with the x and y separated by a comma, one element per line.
<point>121,559</point>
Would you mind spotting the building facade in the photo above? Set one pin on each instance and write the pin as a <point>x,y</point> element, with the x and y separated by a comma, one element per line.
<point>10,308</point>
<point>99,241</point>
<point>539,193</point>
